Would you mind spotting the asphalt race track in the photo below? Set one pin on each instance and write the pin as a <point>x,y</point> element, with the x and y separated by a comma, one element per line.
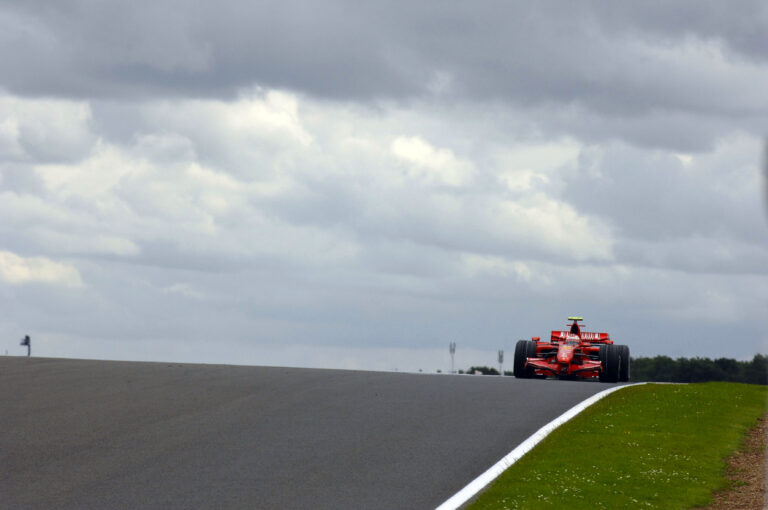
<point>103,434</point>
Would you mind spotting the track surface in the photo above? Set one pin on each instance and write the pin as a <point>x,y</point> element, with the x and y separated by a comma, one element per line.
<point>104,434</point>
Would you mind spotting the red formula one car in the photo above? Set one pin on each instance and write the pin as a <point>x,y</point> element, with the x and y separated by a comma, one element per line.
<point>573,354</point>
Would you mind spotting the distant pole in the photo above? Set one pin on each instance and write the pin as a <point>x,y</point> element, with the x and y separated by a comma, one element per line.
<point>501,361</point>
<point>28,342</point>
<point>452,350</point>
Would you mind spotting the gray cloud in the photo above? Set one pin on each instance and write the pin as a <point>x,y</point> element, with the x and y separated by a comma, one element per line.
<point>619,58</point>
<point>672,211</point>
<point>660,74</point>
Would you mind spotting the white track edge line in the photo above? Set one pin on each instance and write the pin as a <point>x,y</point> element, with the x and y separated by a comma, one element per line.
<point>476,485</point>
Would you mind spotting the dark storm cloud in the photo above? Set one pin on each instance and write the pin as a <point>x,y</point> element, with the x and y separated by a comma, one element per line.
<point>610,57</point>
<point>741,28</point>
<point>114,49</point>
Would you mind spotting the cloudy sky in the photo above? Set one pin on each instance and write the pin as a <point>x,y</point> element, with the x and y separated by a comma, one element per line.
<point>356,184</point>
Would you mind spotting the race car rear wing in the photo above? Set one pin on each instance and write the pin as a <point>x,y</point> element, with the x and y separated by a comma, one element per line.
<point>559,336</point>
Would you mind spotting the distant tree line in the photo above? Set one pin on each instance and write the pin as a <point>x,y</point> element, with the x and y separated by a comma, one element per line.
<point>483,371</point>
<point>666,369</point>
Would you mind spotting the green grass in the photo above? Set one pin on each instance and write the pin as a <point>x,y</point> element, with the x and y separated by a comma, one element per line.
<point>650,446</point>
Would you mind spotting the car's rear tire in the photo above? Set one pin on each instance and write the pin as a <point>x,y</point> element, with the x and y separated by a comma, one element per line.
<point>524,349</point>
<point>624,367</point>
<point>611,361</point>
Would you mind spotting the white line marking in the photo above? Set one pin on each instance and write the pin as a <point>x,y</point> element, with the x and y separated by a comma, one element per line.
<point>476,485</point>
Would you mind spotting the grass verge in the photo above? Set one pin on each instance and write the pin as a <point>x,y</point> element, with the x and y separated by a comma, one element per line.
<point>650,446</point>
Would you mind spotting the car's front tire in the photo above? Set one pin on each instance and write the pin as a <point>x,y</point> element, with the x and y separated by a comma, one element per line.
<point>523,350</point>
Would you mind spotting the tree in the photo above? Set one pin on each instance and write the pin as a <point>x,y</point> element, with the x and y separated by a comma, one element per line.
<point>483,370</point>
<point>730,368</point>
<point>756,371</point>
<point>664,368</point>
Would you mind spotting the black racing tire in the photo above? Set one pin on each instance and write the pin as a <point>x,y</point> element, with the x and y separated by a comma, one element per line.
<point>610,358</point>
<point>603,355</point>
<point>523,350</point>
<point>532,351</point>
<point>624,366</point>
<point>614,363</point>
